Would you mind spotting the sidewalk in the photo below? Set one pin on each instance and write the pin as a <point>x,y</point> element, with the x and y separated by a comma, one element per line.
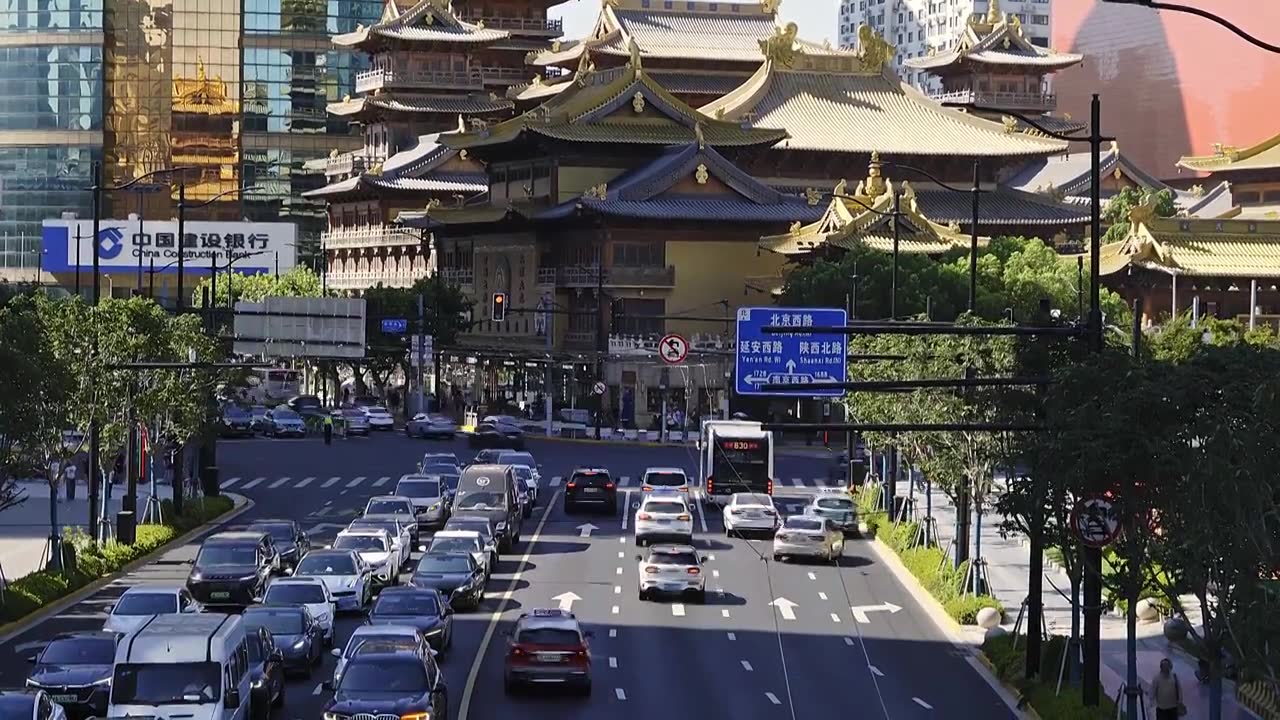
<point>24,530</point>
<point>1007,562</point>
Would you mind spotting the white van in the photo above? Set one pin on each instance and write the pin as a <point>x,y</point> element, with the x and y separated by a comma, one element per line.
<point>188,666</point>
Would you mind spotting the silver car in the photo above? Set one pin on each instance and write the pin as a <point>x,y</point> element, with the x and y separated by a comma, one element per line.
<point>808,536</point>
<point>353,421</point>
<point>836,506</point>
<point>431,425</point>
<point>396,527</point>
<point>430,497</point>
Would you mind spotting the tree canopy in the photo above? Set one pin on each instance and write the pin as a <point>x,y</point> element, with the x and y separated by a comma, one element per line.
<point>1116,213</point>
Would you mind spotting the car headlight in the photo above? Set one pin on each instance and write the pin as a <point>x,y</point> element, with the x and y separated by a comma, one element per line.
<point>32,683</point>
<point>104,682</point>
<point>300,644</point>
<point>248,578</point>
<point>500,527</point>
<point>333,716</point>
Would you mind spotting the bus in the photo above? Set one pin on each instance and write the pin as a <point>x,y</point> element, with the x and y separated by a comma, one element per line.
<point>734,456</point>
<point>273,386</point>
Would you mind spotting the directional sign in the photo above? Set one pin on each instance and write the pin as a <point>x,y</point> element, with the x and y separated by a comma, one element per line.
<point>860,611</point>
<point>789,358</point>
<point>395,326</point>
<point>673,349</point>
<point>1094,521</point>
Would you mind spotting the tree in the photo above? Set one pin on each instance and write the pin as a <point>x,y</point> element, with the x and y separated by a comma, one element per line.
<point>1116,213</point>
<point>299,281</point>
<point>445,316</point>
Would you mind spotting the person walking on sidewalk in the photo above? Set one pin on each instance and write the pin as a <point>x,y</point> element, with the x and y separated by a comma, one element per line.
<point>1166,693</point>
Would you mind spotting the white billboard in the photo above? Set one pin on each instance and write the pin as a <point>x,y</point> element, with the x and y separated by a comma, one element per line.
<point>280,327</point>
<point>249,247</point>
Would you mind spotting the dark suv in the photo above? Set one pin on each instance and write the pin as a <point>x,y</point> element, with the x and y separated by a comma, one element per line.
<point>232,568</point>
<point>591,486</point>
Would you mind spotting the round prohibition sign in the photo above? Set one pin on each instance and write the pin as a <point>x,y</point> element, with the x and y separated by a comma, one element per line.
<point>673,349</point>
<point>1095,522</point>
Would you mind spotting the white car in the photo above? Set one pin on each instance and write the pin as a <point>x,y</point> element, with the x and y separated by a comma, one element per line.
<point>468,541</point>
<point>664,516</point>
<point>349,579</point>
<point>379,418</point>
<point>141,602</point>
<point>750,512</point>
<point>396,527</point>
<point>672,570</point>
<point>308,592</point>
<point>657,479</point>
<point>375,548</point>
<point>530,477</point>
<point>391,634</point>
<point>808,536</point>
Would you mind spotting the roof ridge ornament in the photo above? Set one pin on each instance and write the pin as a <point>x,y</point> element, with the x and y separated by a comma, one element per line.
<point>637,102</point>
<point>1010,124</point>
<point>701,175</point>
<point>597,192</point>
<point>841,188</point>
<point>1143,213</point>
<point>634,63</point>
<point>697,132</point>
<point>874,51</point>
<point>993,11</point>
<point>813,196</point>
<point>462,123</point>
<point>780,47</point>
<point>770,7</point>
<point>874,186</point>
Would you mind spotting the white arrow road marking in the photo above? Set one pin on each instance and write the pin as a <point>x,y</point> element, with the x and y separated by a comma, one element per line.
<point>355,481</point>
<point>626,509</point>
<point>305,482</point>
<point>555,481</point>
<point>619,694</point>
<point>785,607</point>
<point>860,611</point>
<point>330,482</point>
<point>585,529</point>
<point>922,703</point>
<point>278,483</point>
<point>254,483</point>
<point>381,481</point>
<point>230,482</point>
<point>567,600</point>
<point>613,662</point>
<point>677,610</point>
<point>746,666</point>
<point>874,670</point>
<point>773,698</point>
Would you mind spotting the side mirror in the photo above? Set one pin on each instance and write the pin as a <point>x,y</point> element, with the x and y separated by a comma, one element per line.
<point>336,652</point>
<point>32,659</point>
<point>422,548</point>
<point>231,700</point>
<point>288,571</point>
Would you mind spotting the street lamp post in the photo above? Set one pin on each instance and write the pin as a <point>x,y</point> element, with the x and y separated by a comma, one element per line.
<point>183,206</point>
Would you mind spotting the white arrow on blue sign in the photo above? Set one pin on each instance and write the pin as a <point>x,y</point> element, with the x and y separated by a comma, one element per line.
<point>395,325</point>
<point>790,358</point>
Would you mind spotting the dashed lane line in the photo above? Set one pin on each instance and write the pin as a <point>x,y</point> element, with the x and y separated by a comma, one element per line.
<point>874,670</point>
<point>381,481</point>
<point>626,509</point>
<point>621,554</point>
<point>724,612</point>
<point>305,482</point>
<point>613,663</point>
<point>619,571</point>
<point>355,481</point>
<point>278,483</point>
<point>555,481</point>
<point>822,596</point>
<point>848,641</point>
<point>733,636</point>
<point>613,632</point>
<point>715,573</point>
<point>702,516</point>
<point>618,693</point>
<point>330,482</point>
<point>615,610</point>
<point>617,589</point>
<point>677,610</point>
<point>773,698</point>
<point>835,618</point>
<point>229,482</point>
<point>922,703</point>
<point>254,483</point>
<point>747,666</point>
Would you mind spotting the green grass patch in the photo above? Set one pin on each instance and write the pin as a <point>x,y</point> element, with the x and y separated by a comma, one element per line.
<point>1040,694</point>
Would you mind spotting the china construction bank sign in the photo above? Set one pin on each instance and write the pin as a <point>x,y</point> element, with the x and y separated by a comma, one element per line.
<point>249,247</point>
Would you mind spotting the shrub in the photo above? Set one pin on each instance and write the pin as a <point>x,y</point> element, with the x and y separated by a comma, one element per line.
<point>936,575</point>
<point>1041,694</point>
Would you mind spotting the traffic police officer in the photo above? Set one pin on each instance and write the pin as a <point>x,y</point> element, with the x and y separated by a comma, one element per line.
<point>328,429</point>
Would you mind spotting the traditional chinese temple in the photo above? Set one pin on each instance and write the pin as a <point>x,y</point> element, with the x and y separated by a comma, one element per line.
<point>205,138</point>
<point>1253,172</point>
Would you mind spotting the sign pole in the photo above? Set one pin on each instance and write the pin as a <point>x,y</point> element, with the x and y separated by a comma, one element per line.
<point>422,350</point>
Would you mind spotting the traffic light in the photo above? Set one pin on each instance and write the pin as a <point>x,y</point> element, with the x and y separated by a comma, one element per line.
<point>615,314</point>
<point>499,307</point>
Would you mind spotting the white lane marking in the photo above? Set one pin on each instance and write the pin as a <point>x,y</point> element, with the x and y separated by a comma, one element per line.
<point>711,557</point>
<point>822,596</point>
<point>715,573</point>
<point>498,611</point>
<point>230,482</point>
<point>622,540</point>
<point>622,554</point>
<point>614,611</point>
<point>626,508</point>
<point>922,703</point>
<point>613,632</point>
<point>355,481</point>
<point>747,666</point>
<point>555,482</point>
<point>874,670</point>
<point>305,482</point>
<point>619,694</point>
<point>253,483</point>
<point>702,516</point>
<point>677,610</point>
<point>319,688</point>
<point>835,618</point>
<point>773,698</point>
<point>613,662</point>
<point>724,612</point>
<point>278,483</point>
<point>617,589</point>
<point>330,482</point>
<point>848,641</point>
<point>733,636</point>
<point>812,576</point>
<point>619,570</point>
<point>796,482</point>
<point>381,481</point>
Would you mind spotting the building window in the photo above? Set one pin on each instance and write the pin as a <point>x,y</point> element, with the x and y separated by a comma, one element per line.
<point>641,317</point>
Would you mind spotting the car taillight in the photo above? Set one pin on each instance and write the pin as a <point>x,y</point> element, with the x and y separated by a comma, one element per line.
<point>581,654</point>
<point>684,489</point>
<point>711,482</point>
<point>517,651</point>
<point>736,511</point>
<point>608,486</point>
<point>683,517</point>
<point>651,569</point>
<point>572,485</point>
<point>693,571</point>
<point>769,488</point>
<point>646,488</point>
<point>644,516</point>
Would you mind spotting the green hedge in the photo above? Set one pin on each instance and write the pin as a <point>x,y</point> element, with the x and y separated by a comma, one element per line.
<point>92,560</point>
<point>927,564</point>
<point>1041,694</point>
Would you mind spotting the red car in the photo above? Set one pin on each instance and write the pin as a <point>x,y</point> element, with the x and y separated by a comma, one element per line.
<point>548,646</point>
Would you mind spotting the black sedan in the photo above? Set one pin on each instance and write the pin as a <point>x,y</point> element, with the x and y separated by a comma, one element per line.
<point>495,433</point>
<point>266,670</point>
<point>456,576</point>
<point>405,685</point>
<point>295,633</point>
<point>422,608</point>
<point>75,669</point>
<point>236,421</point>
<point>290,539</point>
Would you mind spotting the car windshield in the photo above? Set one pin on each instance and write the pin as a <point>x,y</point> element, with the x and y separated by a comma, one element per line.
<point>659,557</point>
<point>327,565</point>
<point>835,504</point>
<point>377,411</point>
<point>79,651</point>
<point>377,642</point>
<point>281,532</point>
<point>278,623</point>
<point>482,500</point>
<point>388,507</point>
<point>478,525</point>
<point>548,636</point>
<point>383,677</point>
<point>419,488</point>
<point>227,554</point>
<point>353,414</point>
<point>151,684</point>
<point>518,458</point>
<point>146,604</point>
<point>444,564</point>
<point>665,479</point>
<point>295,594</point>
<point>523,472</point>
<point>392,528</point>
<point>452,545</point>
<point>284,414</point>
<point>407,604</point>
<point>361,543</point>
<point>799,523</point>
<point>663,506</point>
<point>755,499</point>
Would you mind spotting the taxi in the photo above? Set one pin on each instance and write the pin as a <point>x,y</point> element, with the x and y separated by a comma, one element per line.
<point>548,647</point>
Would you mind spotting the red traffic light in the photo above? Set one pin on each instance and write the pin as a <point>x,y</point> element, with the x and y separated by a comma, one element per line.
<point>499,309</point>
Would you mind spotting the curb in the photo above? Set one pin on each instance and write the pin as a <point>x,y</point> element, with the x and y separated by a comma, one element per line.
<point>1027,711</point>
<point>953,630</point>
<point>17,627</point>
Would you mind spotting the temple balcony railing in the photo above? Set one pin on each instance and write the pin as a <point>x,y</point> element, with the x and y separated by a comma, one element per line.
<point>504,75</point>
<point>364,237</point>
<point>546,276</point>
<point>623,276</point>
<point>520,25</point>
<point>365,279</point>
<point>572,277</point>
<point>383,78</point>
<point>1039,102</point>
<point>464,277</point>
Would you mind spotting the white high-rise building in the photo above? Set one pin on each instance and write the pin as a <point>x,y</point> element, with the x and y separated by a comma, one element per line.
<point>916,26</point>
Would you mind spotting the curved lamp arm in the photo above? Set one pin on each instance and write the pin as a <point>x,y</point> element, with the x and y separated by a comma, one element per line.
<point>1171,7</point>
<point>224,193</point>
<point>140,178</point>
<point>931,177</point>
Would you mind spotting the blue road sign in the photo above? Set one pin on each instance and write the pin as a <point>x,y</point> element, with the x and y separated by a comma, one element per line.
<point>395,326</point>
<point>781,358</point>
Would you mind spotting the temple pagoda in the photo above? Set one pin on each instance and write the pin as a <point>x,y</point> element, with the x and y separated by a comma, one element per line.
<point>205,138</point>
<point>1254,174</point>
<point>994,65</point>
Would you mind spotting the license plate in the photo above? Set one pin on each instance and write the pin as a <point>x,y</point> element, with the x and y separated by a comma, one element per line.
<point>663,521</point>
<point>590,491</point>
<point>219,595</point>
<point>63,698</point>
<point>549,657</point>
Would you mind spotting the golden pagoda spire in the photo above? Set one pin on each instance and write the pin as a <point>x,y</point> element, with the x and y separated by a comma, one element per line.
<point>875,185</point>
<point>993,11</point>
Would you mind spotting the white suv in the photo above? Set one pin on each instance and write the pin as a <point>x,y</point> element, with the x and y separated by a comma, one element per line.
<point>375,548</point>
<point>658,479</point>
<point>666,517</point>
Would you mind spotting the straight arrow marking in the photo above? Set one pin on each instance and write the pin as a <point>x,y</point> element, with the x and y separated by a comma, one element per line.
<point>567,600</point>
<point>585,529</point>
<point>786,608</point>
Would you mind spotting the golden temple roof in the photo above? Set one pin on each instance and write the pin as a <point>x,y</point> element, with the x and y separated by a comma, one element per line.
<point>1263,156</point>
<point>865,217</point>
<point>1200,248</point>
<point>995,39</point>
<point>852,103</point>
<point>620,105</point>
<point>429,21</point>
<point>202,95</point>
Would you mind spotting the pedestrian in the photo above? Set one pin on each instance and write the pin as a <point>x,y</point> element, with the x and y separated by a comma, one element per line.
<point>1166,693</point>
<point>328,429</point>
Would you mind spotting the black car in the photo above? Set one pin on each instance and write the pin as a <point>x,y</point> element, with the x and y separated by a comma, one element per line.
<point>297,635</point>
<point>266,670</point>
<point>378,685</point>
<point>307,406</point>
<point>422,608</point>
<point>236,421</point>
<point>232,569</point>
<point>495,434</point>
<point>31,703</point>
<point>290,541</point>
<point>591,487</point>
<point>456,576</point>
<point>75,669</point>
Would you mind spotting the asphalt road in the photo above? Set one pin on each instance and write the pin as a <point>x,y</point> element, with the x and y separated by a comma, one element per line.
<point>805,656</point>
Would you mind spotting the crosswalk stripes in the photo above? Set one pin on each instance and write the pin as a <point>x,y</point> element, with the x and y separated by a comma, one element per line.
<point>796,482</point>
<point>278,483</point>
<point>229,482</point>
<point>331,482</point>
<point>623,481</point>
<point>381,481</point>
<point>355,482</point>
<point>305,482</point>
<point>254,483</point>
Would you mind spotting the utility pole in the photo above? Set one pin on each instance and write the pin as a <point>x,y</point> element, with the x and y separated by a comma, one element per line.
<point>421,349</point>
<point>95,431</point>
<point>602,340</point>
<point>850,442</point>
<point>1092,566</point>
<point>548,391</point>
<point>182,249</point>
